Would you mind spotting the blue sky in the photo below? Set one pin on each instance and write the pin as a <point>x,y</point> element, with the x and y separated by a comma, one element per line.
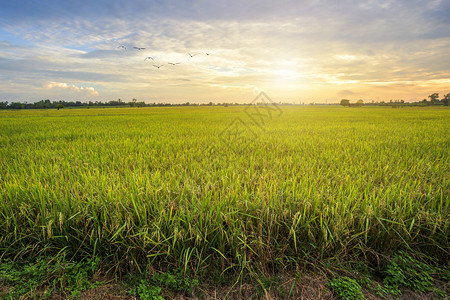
<point>303,51</point>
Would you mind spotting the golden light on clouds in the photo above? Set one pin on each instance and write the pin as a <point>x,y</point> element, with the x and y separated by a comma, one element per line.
<point>223,51</point>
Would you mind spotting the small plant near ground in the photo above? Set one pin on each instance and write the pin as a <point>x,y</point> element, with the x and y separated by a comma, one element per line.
<point>175,282</point>
<point>146,290</point>
<point>346,288</point>
<point>403,271</point>
<point>151,288</point>
<point>374,287</point>
<point>75,277</point>
<point>44,276</point>
<point>22,278</point>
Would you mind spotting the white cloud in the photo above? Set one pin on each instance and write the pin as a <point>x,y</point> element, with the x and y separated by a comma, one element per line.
<point>289,48</point>
<point>80,89</point>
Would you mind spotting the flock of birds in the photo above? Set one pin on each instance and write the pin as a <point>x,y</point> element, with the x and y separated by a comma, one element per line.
<point>151,58</point>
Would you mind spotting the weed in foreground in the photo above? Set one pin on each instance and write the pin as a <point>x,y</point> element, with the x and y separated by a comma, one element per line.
<point>150,288</point>
<point>346,288</point>
<point>44,276</point>
<point>404,271</point>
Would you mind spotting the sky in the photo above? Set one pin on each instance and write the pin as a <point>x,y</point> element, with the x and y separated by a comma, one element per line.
<point>298,51</point>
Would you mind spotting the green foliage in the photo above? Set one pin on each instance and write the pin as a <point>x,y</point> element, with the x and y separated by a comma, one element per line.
<point>75,277</point>
<point>150,288</point>
<point>403,271</point>
<point>346,288</point>
<point>175,282</point>
<point>46,275</point>
<point>24,279</point>
<point>375,287</point>
<point>444,273</point>
<point>400,273</point>
<point>146,290</point>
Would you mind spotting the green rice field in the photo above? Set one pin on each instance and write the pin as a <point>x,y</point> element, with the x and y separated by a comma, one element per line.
<point>214,188</point>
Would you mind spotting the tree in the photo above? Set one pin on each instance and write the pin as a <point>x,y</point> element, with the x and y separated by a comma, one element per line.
<point>434,98</point>
<point>446,99</point>
<point>345,102</point>
<point>59,106</point>
<point>16,105</point>
<point>360,102</point>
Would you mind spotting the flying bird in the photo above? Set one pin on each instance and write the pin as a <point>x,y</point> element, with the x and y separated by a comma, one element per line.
<point>149,57</point>
<point>138,48</point>
<point>123,47</point>
<point>208,53</point>
<point>173,64</point>
<point>158,66</point>
<point>192,55</point>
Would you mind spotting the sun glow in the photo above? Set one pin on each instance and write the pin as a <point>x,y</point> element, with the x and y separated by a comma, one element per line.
<point>285,73</point>
<point>285,78</point>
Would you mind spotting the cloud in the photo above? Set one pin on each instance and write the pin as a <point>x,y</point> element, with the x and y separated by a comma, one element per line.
<point>345,93</point>
<point>79,89</point>
<point>325,47</point>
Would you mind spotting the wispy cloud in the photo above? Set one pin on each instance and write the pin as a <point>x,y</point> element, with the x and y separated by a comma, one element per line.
<point>290,49</point>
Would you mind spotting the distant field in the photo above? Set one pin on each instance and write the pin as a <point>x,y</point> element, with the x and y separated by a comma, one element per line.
<point>180,186</point>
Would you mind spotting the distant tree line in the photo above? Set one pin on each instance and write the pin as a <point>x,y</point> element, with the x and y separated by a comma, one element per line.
<point>46,104</point>
<point>433,101</point>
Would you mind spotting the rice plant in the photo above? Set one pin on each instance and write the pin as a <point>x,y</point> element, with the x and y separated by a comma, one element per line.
<point>160,186</point>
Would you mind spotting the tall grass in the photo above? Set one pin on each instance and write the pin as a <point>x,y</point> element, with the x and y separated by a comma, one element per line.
<point>159,186</point>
